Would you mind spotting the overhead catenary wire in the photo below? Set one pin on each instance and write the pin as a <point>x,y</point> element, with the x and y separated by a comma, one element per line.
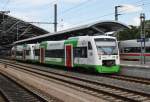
<point>74,7</point>
<point>105,15</point>
<point>6,4</point>
<point>111,13</point>
<point>69,9</point>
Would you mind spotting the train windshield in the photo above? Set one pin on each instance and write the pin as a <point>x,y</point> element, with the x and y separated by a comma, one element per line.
<point>106,46</point>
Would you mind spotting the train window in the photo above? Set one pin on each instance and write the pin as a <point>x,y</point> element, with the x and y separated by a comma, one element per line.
<point>132,49</point>
<point>89,46</point>
<point>19,53</point>
<point>147,49</point>
<point>37,52</point>
<point>80,52</point>
<point>59,53</point>
<point>27,52</point>
<point>135,49</point>
<point>104,39</point>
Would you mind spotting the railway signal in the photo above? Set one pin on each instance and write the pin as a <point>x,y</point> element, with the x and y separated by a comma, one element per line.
<point>142,18</point>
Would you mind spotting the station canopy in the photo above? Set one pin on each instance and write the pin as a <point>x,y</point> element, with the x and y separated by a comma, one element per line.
<point>13,29</point>
<point>97,28</point>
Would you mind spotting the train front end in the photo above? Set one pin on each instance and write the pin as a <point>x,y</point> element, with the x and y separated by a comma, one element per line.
<point>107,54</point>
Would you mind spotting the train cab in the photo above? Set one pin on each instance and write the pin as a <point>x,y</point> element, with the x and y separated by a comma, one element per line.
<point>29,52</point>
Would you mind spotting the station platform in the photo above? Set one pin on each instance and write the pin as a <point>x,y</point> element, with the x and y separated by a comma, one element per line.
<point>135,69</point>
<point>135,64</point>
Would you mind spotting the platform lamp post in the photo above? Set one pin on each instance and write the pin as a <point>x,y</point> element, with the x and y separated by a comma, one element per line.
<point>142,37</point>
<point>116,12</point>
<point>55,18</point>
<point>116,16</point>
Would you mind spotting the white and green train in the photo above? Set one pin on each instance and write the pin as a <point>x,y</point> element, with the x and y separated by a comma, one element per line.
<point>99,53</point>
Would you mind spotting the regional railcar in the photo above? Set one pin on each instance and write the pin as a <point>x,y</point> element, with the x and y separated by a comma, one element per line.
<point>99,53</point>
<point>130,50</point>
<point>29,52</point>
<point>24,52</point>
<point>19,52</point>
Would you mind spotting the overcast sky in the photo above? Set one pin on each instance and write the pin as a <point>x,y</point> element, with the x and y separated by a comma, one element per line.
<point>76,12</point>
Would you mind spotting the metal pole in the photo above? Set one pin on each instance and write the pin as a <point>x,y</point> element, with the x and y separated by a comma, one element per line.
<point>142,17</point>
<point>116,18</point>
<point>143,28</point>
<point>17,32</point>
<point>55,17</point>
<point>116,13</point>
<point>3,24</point>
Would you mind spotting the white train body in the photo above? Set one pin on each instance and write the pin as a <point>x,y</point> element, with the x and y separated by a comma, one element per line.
<point>19,52</point>
<point>29,51</point>
<point>92,52</point>
<point>131,50</point>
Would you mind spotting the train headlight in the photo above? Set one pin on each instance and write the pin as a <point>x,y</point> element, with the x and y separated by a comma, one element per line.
<point>100,53</point>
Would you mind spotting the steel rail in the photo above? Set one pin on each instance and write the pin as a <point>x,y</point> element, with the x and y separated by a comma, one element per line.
<point>127,98</point>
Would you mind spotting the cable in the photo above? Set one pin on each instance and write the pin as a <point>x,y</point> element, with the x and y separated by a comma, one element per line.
<point>84,3</point>
<point>5,5</point>
<point>113,13</point>
<point>120,11</point>
<point>76,6</point>
<point>112,8</point>
<point>52,2</point>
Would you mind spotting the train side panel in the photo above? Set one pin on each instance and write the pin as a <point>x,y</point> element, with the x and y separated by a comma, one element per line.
<point>19,52</point>
<point>130,50</point>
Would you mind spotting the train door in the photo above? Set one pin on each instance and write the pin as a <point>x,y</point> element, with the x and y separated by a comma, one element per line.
<point>68,56</point>
<point>38,57</point>
<point>24,54</point>
<point>90,54</point>
<point>42,55</point>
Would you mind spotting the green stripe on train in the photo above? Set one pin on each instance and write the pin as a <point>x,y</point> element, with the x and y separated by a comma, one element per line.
<point>73,41</point>
<point>43,45</point>
<point>100,68</point>
<point>55,61</point>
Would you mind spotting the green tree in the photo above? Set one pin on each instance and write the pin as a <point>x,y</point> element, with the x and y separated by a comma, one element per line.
<point>128,34</point>
<point>134,32</point>
<point>147,28</point>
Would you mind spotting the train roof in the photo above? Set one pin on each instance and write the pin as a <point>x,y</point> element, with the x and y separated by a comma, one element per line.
<point>12,26</point>
<point>99,28</point>
<point>133,43</point>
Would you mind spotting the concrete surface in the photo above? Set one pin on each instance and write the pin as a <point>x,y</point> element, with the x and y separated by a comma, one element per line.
<point>61,92</point>
<point>135,63</point>
<point>135,69</point>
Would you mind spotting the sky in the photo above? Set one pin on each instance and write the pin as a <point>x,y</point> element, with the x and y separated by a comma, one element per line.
<point>72,13</point>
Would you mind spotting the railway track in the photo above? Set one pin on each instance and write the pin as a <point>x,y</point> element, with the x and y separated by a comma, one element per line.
<point>13,92</point>
<point>2,97</point>
<point>116,76</point>
<point>89,86</point>
<point>129,78</point>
